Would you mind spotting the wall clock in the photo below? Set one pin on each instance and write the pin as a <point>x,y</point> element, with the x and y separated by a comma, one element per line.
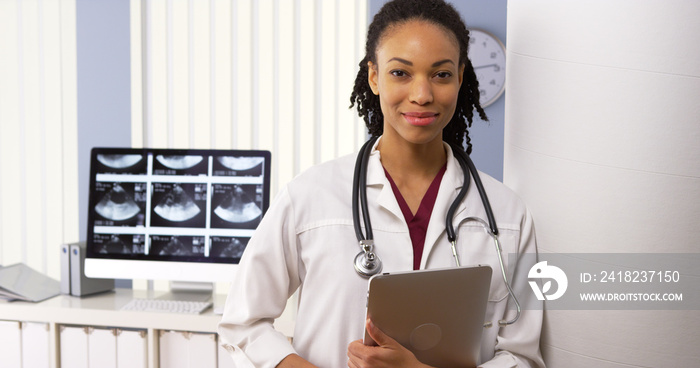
<point>488,56</point>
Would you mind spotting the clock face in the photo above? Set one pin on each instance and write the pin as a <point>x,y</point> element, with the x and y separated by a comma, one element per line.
<point>488,56</point>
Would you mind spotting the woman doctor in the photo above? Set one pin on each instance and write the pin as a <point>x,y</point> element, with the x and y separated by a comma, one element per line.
<point>416,90</point>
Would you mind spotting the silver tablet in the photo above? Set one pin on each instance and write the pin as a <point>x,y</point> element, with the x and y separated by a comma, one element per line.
<point>437,314</point>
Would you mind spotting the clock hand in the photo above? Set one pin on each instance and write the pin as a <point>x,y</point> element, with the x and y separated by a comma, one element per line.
<point>486,66</point>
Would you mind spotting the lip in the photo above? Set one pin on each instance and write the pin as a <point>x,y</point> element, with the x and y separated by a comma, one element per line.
<point>420,118</point>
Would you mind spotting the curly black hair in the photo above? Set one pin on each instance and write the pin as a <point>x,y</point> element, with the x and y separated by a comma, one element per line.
<point>436,12</point>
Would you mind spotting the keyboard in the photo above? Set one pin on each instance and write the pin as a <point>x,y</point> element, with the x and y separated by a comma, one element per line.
<point>167,306</point>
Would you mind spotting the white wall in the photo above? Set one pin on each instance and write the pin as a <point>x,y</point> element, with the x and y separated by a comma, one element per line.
<point>601,142</point>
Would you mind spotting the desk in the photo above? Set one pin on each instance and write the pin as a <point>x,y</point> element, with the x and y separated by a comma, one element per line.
<point>103,310</point>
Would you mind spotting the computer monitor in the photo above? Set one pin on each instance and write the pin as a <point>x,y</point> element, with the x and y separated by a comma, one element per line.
<point>178,215</point>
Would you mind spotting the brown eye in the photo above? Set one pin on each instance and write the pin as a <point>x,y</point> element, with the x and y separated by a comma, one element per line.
<point>398,73</point>
<point>443,75</point>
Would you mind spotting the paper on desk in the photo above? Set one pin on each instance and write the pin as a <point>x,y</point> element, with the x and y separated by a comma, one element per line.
<point>21,282</point>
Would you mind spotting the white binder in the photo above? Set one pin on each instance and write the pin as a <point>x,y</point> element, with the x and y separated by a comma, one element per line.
<point>173,349</point>
<point>35,345</point>
<point>102,348</point>
<point>187,350</point>
<point>74,347</point>
<point>203,350</point>
<point>132,349</point>
<point>10,343</point>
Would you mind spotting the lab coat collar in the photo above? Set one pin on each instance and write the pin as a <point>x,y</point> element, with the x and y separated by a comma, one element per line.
<point>452,182</point>
<point>377,177</point>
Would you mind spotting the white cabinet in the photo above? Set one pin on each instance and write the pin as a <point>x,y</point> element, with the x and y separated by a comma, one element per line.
<point>68,331</point>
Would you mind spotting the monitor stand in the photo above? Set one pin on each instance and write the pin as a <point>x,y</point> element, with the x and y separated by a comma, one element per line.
<point>189,291</point>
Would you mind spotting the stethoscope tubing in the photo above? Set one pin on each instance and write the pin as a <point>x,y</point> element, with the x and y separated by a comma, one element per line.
<point>359,182</point>
<point>367,263</point>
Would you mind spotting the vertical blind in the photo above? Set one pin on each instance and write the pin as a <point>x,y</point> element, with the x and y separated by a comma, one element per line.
<point>38,132</point>
<point>248,74</point>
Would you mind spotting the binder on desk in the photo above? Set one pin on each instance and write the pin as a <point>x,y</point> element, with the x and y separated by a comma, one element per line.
<point>21,282</point>
<point>65,269</point>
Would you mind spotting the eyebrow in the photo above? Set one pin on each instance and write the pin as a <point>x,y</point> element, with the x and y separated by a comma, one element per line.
<point>437,63</point>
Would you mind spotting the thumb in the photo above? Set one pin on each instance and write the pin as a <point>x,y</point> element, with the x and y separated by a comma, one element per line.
<point>378,335</point>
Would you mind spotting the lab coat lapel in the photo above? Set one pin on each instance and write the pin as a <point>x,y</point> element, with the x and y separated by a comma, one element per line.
<point>449,188</point>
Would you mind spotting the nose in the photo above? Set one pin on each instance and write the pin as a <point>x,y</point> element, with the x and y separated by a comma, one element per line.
<point>421,91</point>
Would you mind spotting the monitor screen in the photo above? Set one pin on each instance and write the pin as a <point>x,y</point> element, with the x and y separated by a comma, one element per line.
<point>157,213</point>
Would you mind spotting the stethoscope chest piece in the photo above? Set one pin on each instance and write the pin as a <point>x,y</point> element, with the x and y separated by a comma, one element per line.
<point>367,263</point>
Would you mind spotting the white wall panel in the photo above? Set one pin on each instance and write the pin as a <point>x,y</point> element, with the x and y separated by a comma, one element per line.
<point>264,84</point>
<point>179,59</point>
<point>137,65</point>
<point>69,123</point>
<point>242,20</point>
<point>283,160</point>
<point>51,147</point>
<point>222,81</point>
<point>156,129</point>
<point>200,74</point>
<point>38,132</point>
<point>10,134</point>
<point>601,143</point>
<point>31,103</point>
<point>307,126</point>
<point>326,35</point>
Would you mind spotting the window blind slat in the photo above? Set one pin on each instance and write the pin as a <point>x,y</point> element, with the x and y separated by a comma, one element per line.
<point>38,132</point>
<point>245,74</point>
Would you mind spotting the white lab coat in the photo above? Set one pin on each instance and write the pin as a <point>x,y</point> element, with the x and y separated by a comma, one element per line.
<point>306,241</point>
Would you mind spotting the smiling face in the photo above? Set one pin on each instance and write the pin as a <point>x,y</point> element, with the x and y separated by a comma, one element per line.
<point>417,76</point>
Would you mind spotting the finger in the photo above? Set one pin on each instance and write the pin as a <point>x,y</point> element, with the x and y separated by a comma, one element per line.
<point>354,353</point>
<point>352,348</point>
<point>378,335</point>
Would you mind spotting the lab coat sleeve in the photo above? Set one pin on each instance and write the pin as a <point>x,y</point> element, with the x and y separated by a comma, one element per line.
<point>518,345</point>
<point>267,275</point>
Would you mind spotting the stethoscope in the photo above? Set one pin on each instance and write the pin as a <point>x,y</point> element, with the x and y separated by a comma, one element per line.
<point>367,263</point>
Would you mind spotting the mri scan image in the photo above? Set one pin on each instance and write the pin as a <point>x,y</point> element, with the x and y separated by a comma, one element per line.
<point>118,244</point>
<point>236,205</point>
<point>178,246</point>
<point>120,204</point>
<point>227,247</point>
<point>179,165</point>
<point>178,204</point>
<point>121,164</point>
<point>238,166</point>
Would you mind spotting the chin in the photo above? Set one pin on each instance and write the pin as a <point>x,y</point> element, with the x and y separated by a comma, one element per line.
<point>422,138</point>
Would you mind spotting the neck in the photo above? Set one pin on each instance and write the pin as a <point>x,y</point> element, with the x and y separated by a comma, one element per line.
<point>405,159</point>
